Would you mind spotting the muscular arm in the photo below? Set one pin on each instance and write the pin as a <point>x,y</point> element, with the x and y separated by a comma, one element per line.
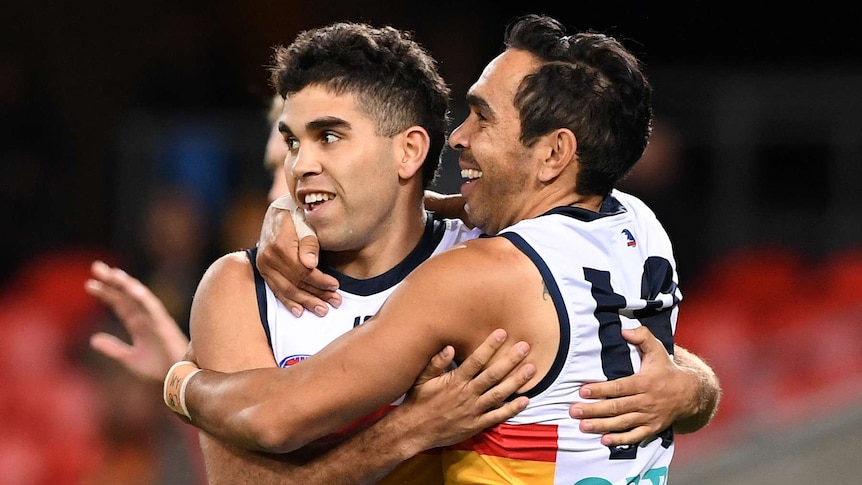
<point>440,410</point>
<point>228,336</point>
<point>358,373</point>
<point>287,257</point>
<point>380,355</point>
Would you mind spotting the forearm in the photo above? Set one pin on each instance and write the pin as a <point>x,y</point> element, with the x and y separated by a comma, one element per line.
<point>230,407</point>
<point>247,409</point>
<point>364,458</point>
<point>447,206</point>
<point>708,392</point>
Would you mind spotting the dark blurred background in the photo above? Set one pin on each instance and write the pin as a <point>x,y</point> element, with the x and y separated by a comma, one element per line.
<point>134,132</point>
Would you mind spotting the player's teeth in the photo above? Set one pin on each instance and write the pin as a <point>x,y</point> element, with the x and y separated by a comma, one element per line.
<point>470,174</point>
<point>319,197</point>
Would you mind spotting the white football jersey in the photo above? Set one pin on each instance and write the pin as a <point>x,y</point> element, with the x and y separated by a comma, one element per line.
<point>295,339</point>
<point>604,271</point>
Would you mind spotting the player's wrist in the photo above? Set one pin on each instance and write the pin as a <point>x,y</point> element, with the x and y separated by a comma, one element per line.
<point>405,439</point>
<point>176,381</point>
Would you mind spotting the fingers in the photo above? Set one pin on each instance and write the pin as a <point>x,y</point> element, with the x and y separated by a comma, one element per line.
<point>504,377</point>
<point>480,357</point>
<point>617,420</point>
<point>130,299</point>
<point>437,365</point>
<point>101,291</point>
<point>633,408</point>
<point>608,389</point>
<point>303,297</point>
<point>495,379</point>
<point>109,285</point>
<point>513,378</point>
<point>649,347</point>
<point>282,288</point>
<point>638,335</point>
<point>643,338</point>
<point>110,346</point>
<point>309,248</point>
<point>288,264</point>
<point>601,409</point>
<point>631,437</point>
<point>506,411</point>
<point>320,288</point>
<point>496,374</point>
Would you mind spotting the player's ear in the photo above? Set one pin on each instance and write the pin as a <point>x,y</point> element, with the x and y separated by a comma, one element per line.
<point>557,149</point>
<point>412,146</point>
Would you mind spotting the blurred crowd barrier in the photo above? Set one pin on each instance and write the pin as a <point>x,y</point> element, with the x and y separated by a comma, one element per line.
<point>783,332</point>
<point>67,415</point>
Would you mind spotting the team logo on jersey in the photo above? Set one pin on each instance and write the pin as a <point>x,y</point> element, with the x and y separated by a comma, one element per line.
<point>630,239</point>
<point>292,360</point>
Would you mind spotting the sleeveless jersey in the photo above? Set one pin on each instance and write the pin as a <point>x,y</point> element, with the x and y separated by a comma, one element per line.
<point>294,339</point>
<point>604,271</point>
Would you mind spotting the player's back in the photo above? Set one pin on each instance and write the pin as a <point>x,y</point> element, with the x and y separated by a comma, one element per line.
<point>602,271</point>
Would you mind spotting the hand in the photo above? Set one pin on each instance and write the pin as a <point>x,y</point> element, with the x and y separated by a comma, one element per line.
<point>157,341</point>
<point>288,262</point>
<point>636,407</point>
<point>447,206</point>
<point>446,408</point>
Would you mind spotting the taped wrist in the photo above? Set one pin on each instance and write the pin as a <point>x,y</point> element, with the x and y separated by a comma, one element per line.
<point>175,386</point>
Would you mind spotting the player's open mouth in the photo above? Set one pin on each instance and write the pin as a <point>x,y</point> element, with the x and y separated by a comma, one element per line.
<point>315,199</point>
<point>471,174</point>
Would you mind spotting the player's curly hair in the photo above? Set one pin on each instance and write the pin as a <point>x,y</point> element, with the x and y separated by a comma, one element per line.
<point>394,79</point>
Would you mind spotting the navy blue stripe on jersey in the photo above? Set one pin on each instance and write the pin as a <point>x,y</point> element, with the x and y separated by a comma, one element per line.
<point>559,305</point>
<point>610,207</point>
<point>434,231</point>
<point>615,350</point>
<point>260,292</point>
<point>657,280</point>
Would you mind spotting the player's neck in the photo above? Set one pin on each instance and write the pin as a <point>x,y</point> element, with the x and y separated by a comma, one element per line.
<point>391,242</point>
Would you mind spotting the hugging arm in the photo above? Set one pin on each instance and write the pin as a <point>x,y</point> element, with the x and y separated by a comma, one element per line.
<point>682,392</point>
<point>287,257</point>
<point>439,409</point>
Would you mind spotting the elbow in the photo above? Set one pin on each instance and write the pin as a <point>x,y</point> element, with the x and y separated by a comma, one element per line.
<point>708,398</point>
<point>266,433</point>
<point>275,440</point>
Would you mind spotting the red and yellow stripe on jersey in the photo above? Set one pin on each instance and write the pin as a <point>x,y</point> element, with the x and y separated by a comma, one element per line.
<point>507,453</point>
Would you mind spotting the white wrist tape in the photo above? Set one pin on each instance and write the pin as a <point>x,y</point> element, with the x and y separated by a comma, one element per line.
<point>175,386</point>
<point>303,228</point>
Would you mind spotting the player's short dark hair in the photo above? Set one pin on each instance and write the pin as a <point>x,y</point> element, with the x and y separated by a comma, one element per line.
<point>591,84</point>
<point>394,79</point>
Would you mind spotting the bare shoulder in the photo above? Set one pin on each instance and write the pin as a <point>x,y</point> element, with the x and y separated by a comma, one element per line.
<point>481,253</point>
<point>225,326</point>
<point>459,296</point>
<point>229,271</point>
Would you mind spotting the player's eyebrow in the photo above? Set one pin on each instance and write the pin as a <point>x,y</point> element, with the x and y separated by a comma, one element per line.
<point>480,104</point>
<point>282,128</point>
<point>327,123</point>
